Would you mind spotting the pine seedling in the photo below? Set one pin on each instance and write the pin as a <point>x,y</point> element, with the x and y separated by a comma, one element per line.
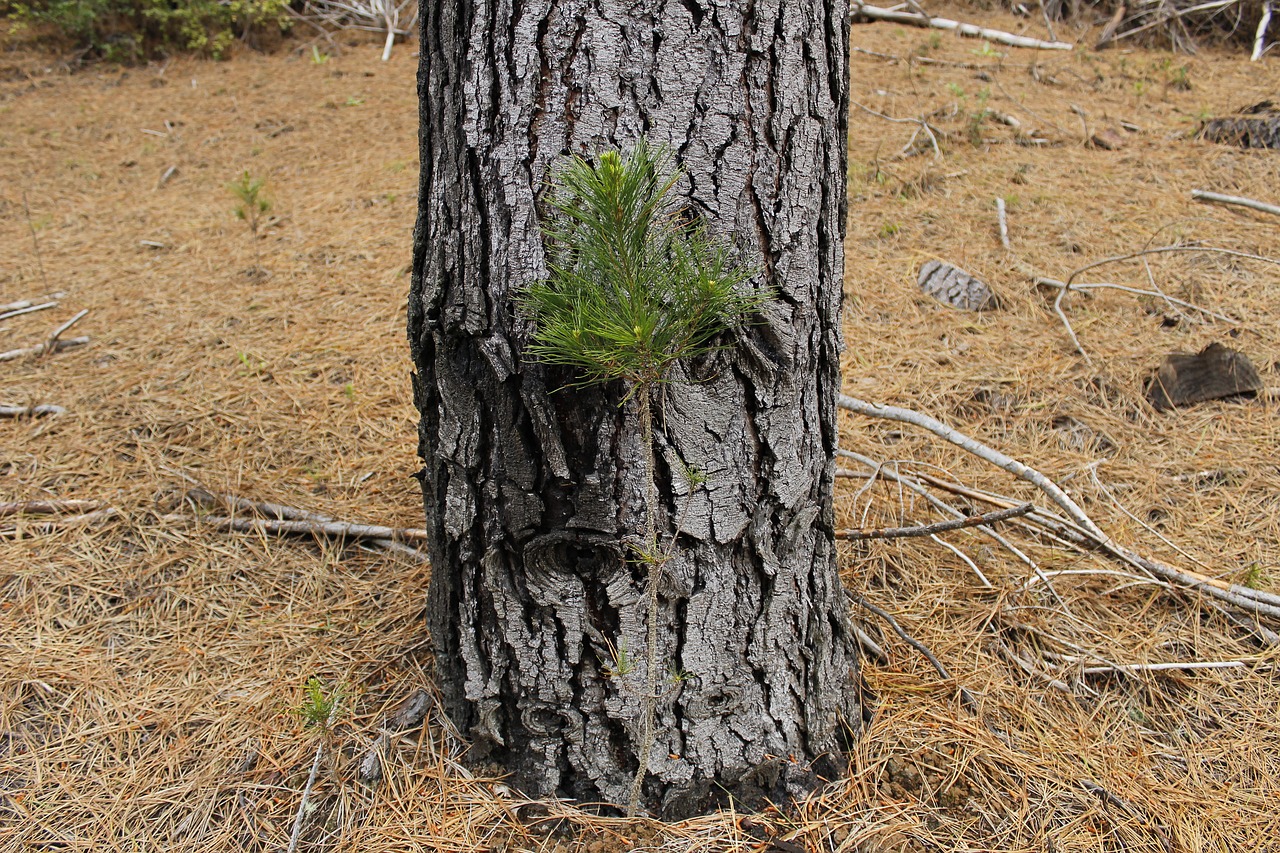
<point>253,206</point>
<point>636,285</point>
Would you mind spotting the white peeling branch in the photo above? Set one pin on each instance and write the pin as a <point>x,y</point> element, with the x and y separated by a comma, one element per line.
<point>875,13</point>
<point>1260,38</point>
<point>1240,201</point>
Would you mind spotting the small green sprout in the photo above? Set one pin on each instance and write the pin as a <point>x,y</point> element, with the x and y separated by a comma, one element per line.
<point>253,206</point>
<point>318,708</point>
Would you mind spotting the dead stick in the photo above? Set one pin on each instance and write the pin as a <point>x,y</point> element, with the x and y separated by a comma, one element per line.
<point>1239,201</point>
<point>1004,223</point>
<point>965,696</point>
<point>19,308</point>
<point>201,496</point>
<point>57,333</point>
<point>338,529</point>
<point>1163,667</point>
<point>937,527</point>
<point>1260,37</point>
<point>42,349</point>
<point>875,13</point>
<point>30,411</point>
<point>47,507</point>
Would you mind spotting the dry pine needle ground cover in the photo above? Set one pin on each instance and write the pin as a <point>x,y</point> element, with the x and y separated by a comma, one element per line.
<point>150,665</point>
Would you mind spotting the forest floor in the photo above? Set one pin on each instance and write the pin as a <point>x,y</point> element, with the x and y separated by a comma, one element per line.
<point>152,667</point>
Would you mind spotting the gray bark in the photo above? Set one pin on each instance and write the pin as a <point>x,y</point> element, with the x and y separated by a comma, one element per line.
<point>531,489</point>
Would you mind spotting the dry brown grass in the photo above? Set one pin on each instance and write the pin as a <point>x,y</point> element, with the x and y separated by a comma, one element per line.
<point>148,669</point>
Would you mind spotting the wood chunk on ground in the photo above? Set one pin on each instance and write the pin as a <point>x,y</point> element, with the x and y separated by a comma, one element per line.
<point>953,286</point>
<point>1256,126</point>
<point>1211,374</point>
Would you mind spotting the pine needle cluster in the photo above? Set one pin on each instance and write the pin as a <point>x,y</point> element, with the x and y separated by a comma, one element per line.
<point>636,282</point>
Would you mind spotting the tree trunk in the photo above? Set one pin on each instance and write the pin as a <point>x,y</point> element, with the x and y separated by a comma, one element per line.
<point>537,607</point>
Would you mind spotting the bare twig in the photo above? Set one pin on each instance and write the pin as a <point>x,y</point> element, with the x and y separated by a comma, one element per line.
<point>1137,291</point>
<point>1003,222</point>
<point>335,529</point>
<point>44,348</point>
<point>924,125</point>
<point>1260,37</point>
<point>937,527</point>
<point>1130,668</point>
<point>30,411</point>
<point>875,13</point>
<point>35,241</point>
<point>1239,201</point>
<point>1065,287</point>
<point>17,308</point>
<point>47,507</point>
<point>1170,13</point>
<point>945,508</point>
<point>201,497</point>
<point>57,333</point>
<point>965,696</point>
<point>995,457</point>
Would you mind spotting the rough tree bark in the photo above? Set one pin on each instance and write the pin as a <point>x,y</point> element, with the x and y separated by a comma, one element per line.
<point>531,489</point>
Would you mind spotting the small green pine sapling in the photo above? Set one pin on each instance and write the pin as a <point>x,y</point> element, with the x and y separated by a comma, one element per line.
<point>636,285</point>
<point>320,710</point>
<point>253,206</point>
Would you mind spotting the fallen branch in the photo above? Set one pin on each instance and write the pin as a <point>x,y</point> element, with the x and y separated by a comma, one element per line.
<point>1165,16</point>
<point>47,507</point>
<point>203,498</point>
<point>875,13</point>
<point>333,529</point>
<point>945,508</point>
<point>44,349</point>
<point>15,309</point>
<point>965,696</point>
<point>1003,222</point>
<point>1260,37</point>
<point>1065,287</point>
<point>938,527</point>
<point>30,411</point>
<point>1085,531</point>
<point>53,344</point>
<point>1240,201</point>
<point>923,125</point>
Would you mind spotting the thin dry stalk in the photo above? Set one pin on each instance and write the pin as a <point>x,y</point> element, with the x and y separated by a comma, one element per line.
<point>937,527</point>
<point>965,696</point>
